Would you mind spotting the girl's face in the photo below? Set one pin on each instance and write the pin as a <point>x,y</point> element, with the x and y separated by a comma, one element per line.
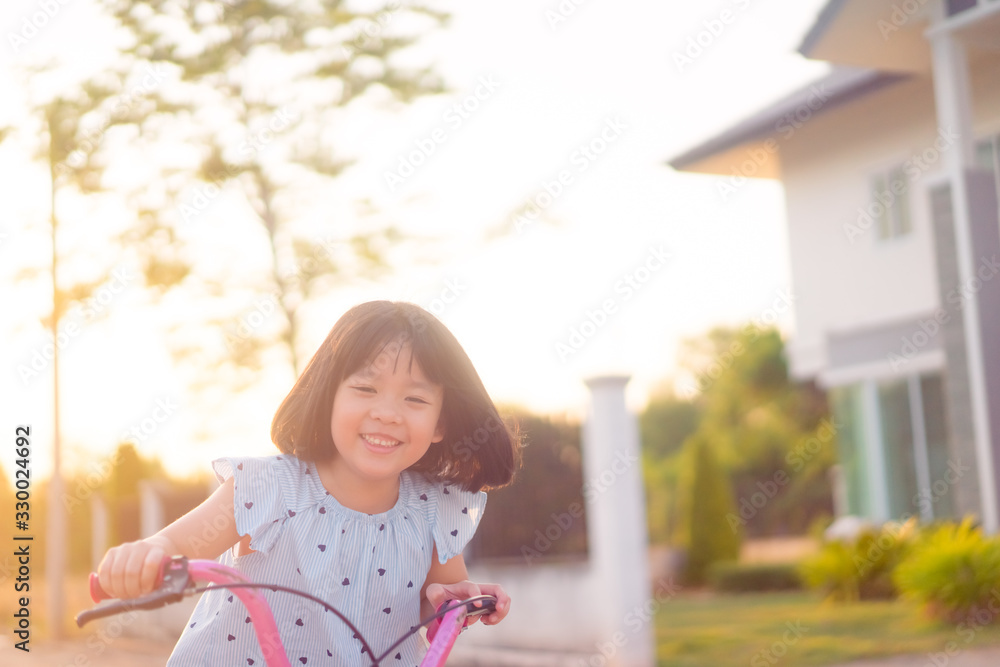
<point>385,416</point>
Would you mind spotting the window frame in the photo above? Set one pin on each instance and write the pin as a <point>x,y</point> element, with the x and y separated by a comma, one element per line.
<point>896,220</point>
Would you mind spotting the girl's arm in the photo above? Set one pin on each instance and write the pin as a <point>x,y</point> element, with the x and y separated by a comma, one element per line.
<point>450,581</point>
<point>130,569</point>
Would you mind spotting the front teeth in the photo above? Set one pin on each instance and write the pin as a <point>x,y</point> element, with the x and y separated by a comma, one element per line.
<point>379,442</point>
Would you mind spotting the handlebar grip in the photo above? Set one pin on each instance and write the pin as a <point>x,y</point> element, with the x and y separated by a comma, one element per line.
<point>172,580</point>
<point>89,615</point>
<point>98,594</point>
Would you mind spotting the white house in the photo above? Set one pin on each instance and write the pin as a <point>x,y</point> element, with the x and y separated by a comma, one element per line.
<point>890,173</point>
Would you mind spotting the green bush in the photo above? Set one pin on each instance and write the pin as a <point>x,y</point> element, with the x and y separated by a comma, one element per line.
<point>710,499</point>
<point>733,577</point>
<point>861,570</point>
<point>955,571</point>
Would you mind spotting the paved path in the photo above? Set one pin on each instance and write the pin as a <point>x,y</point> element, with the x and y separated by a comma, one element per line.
<point>126,652</point>
<point>90,652</point>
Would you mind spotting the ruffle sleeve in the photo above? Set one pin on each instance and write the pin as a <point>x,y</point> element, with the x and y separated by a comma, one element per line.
<point>264,494</point>
<point>453,514</point>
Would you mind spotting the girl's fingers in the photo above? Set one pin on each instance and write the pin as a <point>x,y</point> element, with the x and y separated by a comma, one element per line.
<point>438,593</point>
<point>151,569</point>
<point>104,572</point>
<point>133,572</point>
<point>503,603</point>
<point>117,574</point>
<point>435,594</point>
<point>130,570</point>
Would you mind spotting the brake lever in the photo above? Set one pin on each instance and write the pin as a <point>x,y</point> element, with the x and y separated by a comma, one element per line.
<point>174,579</point>
<point>489,605</point>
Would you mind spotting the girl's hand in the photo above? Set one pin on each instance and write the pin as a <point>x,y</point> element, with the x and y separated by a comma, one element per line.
<point>438,593</point>
<point>131,569</point>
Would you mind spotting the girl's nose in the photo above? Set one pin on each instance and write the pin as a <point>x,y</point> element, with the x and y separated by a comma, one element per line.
<point>385,411</point>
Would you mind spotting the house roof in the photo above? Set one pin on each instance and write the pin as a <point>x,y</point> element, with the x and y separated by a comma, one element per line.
<point>822,24</point>
<point>721,153</point>
<point>877,34</point>
<point>869,47</point>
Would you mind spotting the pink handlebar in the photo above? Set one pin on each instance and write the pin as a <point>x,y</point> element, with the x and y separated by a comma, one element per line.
<point>177,575</point>
<point>208,571</point>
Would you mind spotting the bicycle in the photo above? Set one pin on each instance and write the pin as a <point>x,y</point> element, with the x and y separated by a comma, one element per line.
<point>178,577</point>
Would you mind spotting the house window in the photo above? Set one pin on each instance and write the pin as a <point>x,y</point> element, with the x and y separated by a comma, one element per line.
<point>907,421</point>
<point>890,203</point>
<point>988,154</point>
<point>988,157</point>
<point>896,418</point>
<point>940,494</point>
<point>847,404</point>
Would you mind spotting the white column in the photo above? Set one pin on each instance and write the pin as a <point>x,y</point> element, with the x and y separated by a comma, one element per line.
<point>954,111</point>
<point>838,483</point>
<point>150,510</point>
<point>98,529</point>
<point>616,525</point>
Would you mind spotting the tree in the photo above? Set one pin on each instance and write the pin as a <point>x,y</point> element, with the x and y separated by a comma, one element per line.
<point>773,437</point>
<point>707,500</point>
<point>664,425</point>
<point>65,141</point>
<point>260,85</point>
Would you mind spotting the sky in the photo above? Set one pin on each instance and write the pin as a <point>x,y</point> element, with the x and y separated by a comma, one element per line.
<point>585,104</point>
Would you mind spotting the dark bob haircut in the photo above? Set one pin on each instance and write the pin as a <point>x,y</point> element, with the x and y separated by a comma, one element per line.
<point>479,450</point>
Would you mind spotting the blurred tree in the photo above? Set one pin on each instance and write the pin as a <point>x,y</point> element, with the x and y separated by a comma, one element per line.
<point>758,421</point>
<point>76,134</point>
<point>664,425</point>
<point>772,436</point>
<point>66,135</point>
<point>258,89</point>
<point>706,499</point>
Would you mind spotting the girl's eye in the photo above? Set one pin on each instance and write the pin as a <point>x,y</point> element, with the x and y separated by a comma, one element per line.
<point>417,399</point>
<point>364,389</point>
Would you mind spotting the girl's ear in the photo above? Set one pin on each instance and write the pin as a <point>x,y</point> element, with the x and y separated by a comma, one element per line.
<point>438,433</point>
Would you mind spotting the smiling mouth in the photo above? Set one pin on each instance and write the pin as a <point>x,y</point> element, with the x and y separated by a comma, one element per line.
<point>379,442</point>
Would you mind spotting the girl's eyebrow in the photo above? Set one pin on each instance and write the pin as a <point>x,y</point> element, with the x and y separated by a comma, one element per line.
<point>369,373</point>
<point>425,386</point>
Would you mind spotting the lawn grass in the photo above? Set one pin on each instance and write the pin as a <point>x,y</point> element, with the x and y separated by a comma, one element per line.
<point>751,629</point>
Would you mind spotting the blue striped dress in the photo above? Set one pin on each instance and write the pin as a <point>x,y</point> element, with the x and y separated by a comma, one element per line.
<point>369,566</point>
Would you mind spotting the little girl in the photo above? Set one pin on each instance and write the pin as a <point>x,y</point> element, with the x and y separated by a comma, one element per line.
<point>387,439</point>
